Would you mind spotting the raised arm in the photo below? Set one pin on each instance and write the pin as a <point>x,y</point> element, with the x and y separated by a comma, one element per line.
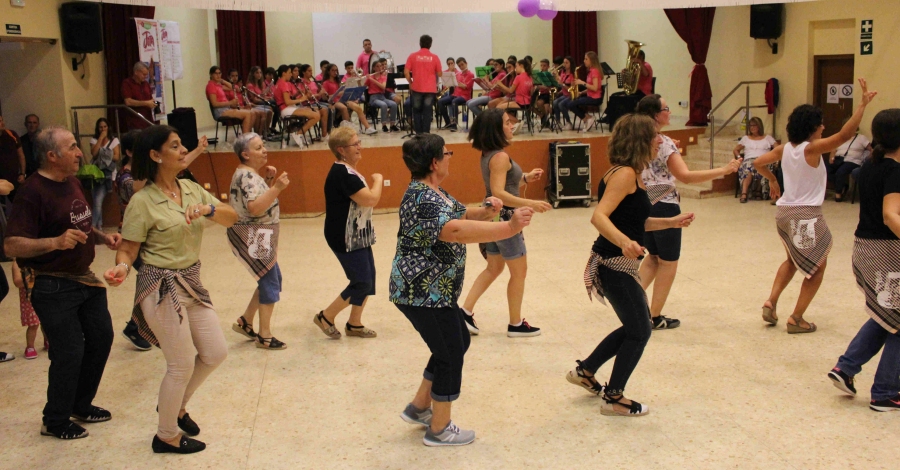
<point>829,144</point>
<point>681,171</point>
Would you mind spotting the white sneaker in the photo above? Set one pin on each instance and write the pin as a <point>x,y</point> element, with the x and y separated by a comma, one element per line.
<point>370,130</point>
<point>299,140</point>
<point>587,124</point>
<point>516,128</point>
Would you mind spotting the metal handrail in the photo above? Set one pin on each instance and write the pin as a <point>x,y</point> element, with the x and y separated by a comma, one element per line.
<point>746,108</point>
<point>116,107</point>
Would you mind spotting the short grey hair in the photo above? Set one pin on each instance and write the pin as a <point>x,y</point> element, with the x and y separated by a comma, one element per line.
<point>139,66</point>
<point>243,143</point>
<point>47,141</point>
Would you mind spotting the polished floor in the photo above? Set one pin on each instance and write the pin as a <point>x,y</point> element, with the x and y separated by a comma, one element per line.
<point>725,390</point>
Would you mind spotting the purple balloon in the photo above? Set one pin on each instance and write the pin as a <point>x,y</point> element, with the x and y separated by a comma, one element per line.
<point>529,8</point>
<point>546,15</point>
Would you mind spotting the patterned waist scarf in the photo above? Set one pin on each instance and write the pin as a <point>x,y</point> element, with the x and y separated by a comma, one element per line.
<point>255,246</point>
<point>153,279</point>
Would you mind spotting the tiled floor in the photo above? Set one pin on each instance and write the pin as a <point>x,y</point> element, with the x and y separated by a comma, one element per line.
<point>725,390</point>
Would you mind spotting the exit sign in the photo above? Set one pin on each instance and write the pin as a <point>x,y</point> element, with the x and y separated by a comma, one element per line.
<point>865,48</point>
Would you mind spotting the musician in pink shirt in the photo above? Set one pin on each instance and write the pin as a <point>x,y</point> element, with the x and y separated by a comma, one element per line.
<point>222,106</point>
<point>319,103</point>
<point>364,61</point>
<point>377,83</point>
<point>331,86</point>
<point>258,97</point>
<point>475,104</point>
<point>462,93</point>
<point>519,92</point>
<point>422,71</point>
<point>593,93</point>
<point>293,102</point>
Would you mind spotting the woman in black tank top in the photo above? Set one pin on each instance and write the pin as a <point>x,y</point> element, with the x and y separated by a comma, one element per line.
<point>622,216</point>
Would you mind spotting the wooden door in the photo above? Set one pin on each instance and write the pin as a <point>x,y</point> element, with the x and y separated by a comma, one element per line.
<point>833,69</point>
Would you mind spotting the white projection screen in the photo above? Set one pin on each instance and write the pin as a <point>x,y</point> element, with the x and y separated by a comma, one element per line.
<point>338,37</point>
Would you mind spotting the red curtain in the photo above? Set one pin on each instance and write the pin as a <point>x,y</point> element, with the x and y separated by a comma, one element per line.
<point>694,25</point>
<point>574,33</point>
<point>121,48</point>
<point>242,40</point>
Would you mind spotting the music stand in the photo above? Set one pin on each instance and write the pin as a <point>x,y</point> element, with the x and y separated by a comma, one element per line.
<point>607,70</point>
<point>353,94</point>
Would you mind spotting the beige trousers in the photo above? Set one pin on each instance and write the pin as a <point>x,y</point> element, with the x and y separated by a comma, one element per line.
<point>193,348</point>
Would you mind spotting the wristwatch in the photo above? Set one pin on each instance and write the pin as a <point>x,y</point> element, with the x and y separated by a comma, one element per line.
<point>212,211</point>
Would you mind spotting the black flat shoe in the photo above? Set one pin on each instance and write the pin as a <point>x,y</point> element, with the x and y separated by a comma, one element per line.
<point>186,446</point>
<point>93,415</point>
<point>65,432</point>
<point>187,424</point>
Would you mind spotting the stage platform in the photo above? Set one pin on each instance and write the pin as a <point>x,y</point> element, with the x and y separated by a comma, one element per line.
<point>382,154</point>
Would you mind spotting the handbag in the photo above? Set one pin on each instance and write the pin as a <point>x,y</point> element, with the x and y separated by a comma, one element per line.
<point>90,172</point>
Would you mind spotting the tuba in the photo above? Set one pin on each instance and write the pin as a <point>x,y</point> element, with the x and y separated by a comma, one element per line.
<point>632,73</point>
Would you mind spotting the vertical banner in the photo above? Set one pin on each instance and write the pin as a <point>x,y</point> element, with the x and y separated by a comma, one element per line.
<point>148,50</point>
<point>170,50</point>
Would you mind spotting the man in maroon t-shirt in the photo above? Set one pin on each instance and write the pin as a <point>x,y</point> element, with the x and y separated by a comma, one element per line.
<point>51,236</point>
<point>422,71</point>
<point>137,94</point>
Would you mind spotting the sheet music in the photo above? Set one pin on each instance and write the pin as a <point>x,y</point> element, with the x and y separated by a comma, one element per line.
<point>449,79</point>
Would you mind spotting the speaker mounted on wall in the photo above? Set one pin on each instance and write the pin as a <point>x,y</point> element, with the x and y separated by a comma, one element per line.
<point>767,22</point>
<point>81,27</point>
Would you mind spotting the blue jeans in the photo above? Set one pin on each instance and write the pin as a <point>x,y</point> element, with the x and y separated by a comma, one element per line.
<point>98,194</point>
<point>76,321</point>
<point>839,173</point>
<point>560,108</point>
<point>447,107</point>
<point>422,113</point>
<point>868,341</point>
<point>576,104</point>
<point>475,104</point>
<point>388,108</point>
<point>626,343</point>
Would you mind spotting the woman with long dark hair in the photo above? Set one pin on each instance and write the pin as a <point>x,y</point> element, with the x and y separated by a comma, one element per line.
<point>800,222</point>
<point>622,216</point>
<point>105,153</point>
<point>876,260</point>
<point>519,92</point>
<point>171,307</point>
<point>331,84</point>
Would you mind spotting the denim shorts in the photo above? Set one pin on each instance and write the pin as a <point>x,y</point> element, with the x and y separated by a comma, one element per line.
<point>511,248</point>
<point>218,112</point>
<point>270,286</point>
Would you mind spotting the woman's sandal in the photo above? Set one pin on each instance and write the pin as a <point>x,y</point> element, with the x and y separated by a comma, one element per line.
<point>743,198</point>
<point>797,329</point>
<point>326,326</point>
<point>635,409</point>
<point>269,343</point>
<point>769,316</point>
<point>244,328</point>
<point>589,383</point>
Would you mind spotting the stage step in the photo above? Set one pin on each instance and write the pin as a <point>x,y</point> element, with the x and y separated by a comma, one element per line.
<point>697,159</point>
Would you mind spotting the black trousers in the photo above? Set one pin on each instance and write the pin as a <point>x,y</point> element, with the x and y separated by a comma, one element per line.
<point>627,342</point>
<point>422,104</point>
<point>76,321</point>
<point>444,331</point>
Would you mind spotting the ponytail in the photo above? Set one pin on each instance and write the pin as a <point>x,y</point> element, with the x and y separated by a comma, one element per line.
<point>885,133</point>
<point>878,153</point>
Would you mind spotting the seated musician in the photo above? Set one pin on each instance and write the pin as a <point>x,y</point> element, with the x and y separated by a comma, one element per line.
<point>519,92</point>
<point>542,103</point>
<point>323,66</point>
<point>319,98</point>
<point>503,86</point>
<point>564,77</point>
<point>261,99</point>
<point>621,103</point>
<point>645,83</point>
<point>462,93</point>
<point>222,106</point>
<point>292,102</point>
<point>332,86</point>
<point>593,93</point>
<point>499,74</point>
<point>377,83</point>
<point>260,116</point>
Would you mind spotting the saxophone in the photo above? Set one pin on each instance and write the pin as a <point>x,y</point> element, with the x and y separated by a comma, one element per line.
<point>632,73</point>
<point>573,90</point>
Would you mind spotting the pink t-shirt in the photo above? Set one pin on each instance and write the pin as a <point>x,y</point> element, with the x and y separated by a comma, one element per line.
<point>313,88</point>
<point>282,87</point>
<point>425,67</point>
<point>318,78</point>
<point>594,74</point>
<point>645,84</point>
<point>524,85</point>
<point>213,88</point>
<point>467,78</point>
<point>565,78</point>
<point>373,88</point>
<point>330,87</point>
<point>496,93</point>
<point>362,62</point>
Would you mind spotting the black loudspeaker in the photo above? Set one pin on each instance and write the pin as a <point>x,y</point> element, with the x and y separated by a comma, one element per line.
<point>766,21</point>
<point>185,121</point>
<point>81,27</point>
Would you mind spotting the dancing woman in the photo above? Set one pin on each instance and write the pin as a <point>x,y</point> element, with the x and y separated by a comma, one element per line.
<point>800,222</point>
<point>427,277</point>
<point>622,216</point>
<point>876,257</point>
<point>491,132</point>
<point>664,246</point>
<point>171,307</point>
<point>254,237</point>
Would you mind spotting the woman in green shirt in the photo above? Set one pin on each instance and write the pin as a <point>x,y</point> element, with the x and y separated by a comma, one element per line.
<point>161,225</point>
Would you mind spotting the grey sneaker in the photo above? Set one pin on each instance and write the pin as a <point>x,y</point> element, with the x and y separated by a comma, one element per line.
<point>450,436</point>
<point>413,416</point>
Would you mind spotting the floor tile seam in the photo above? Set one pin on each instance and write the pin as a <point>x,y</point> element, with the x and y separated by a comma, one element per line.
<point>262,381</point>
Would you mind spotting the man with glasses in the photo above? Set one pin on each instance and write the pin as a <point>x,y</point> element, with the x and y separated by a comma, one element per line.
<point>137,94</point>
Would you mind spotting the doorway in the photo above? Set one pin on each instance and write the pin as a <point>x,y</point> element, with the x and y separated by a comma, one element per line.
<point>833,69</point>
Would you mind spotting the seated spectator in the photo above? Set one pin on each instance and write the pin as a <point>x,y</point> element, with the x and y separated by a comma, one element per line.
<point>844,160</point>
<point>754,144</point>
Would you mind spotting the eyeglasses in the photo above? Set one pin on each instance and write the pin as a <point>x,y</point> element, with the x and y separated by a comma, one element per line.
<point>665,109</point>
<point>357,144</point>
<point>448,153</point>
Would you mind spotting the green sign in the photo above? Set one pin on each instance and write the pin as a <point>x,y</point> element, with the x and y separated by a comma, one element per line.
<point>865,29</point>
<point>865,48</point>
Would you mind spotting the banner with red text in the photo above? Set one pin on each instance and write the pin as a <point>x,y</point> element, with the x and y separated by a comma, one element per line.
<point>148,51</point>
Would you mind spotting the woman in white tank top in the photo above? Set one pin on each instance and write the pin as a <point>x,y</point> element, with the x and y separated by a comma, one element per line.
<point>800,222</point>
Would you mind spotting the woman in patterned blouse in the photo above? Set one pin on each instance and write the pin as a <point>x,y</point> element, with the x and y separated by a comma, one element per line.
<point>427,276</point>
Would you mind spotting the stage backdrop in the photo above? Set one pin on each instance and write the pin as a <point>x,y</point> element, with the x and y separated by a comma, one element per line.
<point>338,37</point>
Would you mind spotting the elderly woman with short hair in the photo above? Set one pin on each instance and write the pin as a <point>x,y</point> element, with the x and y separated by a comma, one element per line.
<point>427,277</point>
<point>348,230</point>
<point>254,237</point>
